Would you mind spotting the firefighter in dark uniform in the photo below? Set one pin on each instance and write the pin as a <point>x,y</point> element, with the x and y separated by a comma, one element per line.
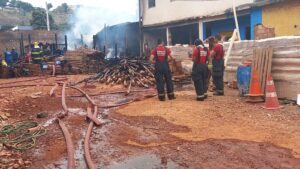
<point>160,57</point>
<point>218,66</point>
<point>200,69</point>
<point>36,54</point>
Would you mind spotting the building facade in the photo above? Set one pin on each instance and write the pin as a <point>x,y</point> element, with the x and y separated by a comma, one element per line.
<point>182,21</point>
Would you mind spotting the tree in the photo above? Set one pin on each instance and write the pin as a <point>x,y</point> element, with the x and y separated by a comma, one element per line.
<point>63,8</point>
<point>27,7</point>
<point>49,6</point>
<point>39,19</point>
<point>13,3</point>
<point>3,3</point>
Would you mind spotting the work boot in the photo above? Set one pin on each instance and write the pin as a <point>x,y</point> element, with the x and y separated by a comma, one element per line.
<point>171,96</point>
<point>218,93</point>
<point>200,98</point>
<point>162,98</point>
<point>205,95</point>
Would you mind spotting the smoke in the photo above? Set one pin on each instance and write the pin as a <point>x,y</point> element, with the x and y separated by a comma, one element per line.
<point>88,20</point>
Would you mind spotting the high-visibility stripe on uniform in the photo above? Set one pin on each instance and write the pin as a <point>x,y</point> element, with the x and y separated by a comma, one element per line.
<point>39,58</point>
<point>200,97</point>
<point>35,53</point>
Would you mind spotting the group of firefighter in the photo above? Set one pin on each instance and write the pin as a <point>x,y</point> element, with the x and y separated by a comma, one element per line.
<point>207,62</point>
<point>12,57</point>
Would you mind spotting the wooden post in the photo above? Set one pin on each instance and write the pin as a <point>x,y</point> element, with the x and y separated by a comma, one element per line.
<point>22,46</point>
<point>236,21</point>
<point>230,46</point>
<point>94,41</point>
<point>66,42</point>
<point>55,41</point>
<point>29,40</point>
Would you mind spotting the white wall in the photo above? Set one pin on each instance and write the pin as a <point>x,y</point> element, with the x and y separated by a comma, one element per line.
<point>167,11</point>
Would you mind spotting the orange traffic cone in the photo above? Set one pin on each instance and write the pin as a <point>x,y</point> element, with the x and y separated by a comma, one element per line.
<point>272,102</point>
<point>255,94</point>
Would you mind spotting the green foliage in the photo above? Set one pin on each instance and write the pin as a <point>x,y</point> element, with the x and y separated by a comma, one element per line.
<point>13,3</point>
<point>3,3</point>
<point>63,8</point>
<point>39,19</point>
<point>27,7</point>
<point>49,6</point>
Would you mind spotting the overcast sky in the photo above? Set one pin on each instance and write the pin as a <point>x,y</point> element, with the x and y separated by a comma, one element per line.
<point>122,5</point>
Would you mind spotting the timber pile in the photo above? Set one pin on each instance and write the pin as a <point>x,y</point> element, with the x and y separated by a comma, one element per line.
<point>128,72</point>
<point>181,52</point>
<point>84,59</point>
<point>262,62</point>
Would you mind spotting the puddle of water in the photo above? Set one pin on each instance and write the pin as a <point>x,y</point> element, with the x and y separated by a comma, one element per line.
<point>147,161</point>
<point>78,111</point>
<point>50,121</point>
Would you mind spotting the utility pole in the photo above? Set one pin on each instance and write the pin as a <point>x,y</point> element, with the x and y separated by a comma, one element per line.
<point>141,27</point>
<point>236,21</point>
<point>47,14</point>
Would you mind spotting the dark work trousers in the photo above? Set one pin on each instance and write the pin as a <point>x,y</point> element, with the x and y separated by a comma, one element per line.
<point>218,75</point>
<point>162,75</point>
<point>199,76</point>
<point>38,61</point>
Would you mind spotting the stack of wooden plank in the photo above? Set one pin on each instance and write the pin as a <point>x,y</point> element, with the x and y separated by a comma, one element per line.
<point>262,62</point>
<point>180,52</point>
<point>34,69</point>
<point>84,59</point>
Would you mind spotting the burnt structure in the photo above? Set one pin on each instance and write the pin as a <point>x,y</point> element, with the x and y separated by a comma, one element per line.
<point>119,40</point>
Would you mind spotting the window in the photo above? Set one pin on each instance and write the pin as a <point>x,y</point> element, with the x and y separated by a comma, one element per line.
<point>151,3</point>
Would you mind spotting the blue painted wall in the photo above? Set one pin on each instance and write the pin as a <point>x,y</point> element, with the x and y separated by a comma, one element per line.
<point>215,27</point>
<point>256,18</point>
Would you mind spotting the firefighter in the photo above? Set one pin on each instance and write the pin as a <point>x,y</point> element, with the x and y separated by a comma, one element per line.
<point>160,56</point>
<point>217,55</point>
<point>15,55</point>
<point>36,54</point>
<point>200,69</point>
<point>8,58</point>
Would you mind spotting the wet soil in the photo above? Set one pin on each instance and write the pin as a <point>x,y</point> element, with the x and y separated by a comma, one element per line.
<point>222,132</point>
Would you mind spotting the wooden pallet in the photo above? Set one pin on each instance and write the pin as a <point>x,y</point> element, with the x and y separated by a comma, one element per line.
<point>262,62</point>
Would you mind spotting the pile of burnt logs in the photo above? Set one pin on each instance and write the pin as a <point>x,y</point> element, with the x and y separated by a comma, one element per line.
<point>129,72</point>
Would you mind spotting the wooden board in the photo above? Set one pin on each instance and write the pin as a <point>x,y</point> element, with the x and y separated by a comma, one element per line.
<point>262,62</point>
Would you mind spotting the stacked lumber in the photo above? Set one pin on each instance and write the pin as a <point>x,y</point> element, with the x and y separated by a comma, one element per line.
<point>181,52</point>
<point>84,59</point>
<point>34,69</point>
<point>128,72</point>
<point>176,68</point>
<point>262,62</point>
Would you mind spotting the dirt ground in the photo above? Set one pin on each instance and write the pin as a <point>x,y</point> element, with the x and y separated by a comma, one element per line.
<point>220,133</point>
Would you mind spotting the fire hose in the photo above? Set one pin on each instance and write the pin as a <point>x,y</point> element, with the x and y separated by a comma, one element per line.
<point>114,92</point>
<point>27,85</point>
<point>21,135</point>
<point>87,153</point>
<point>70,145</point>
<point>63,100</point>
<point>53,89</point>
<point>20,81</point>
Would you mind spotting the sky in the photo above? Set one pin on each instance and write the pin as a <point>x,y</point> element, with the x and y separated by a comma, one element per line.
<point>129,4</point>
<point>92,16</point>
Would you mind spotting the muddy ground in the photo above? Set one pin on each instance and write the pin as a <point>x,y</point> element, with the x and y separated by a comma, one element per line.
<point>220,133</point>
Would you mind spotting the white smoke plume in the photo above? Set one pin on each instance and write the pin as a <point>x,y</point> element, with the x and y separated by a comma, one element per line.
<point>89,19</point>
